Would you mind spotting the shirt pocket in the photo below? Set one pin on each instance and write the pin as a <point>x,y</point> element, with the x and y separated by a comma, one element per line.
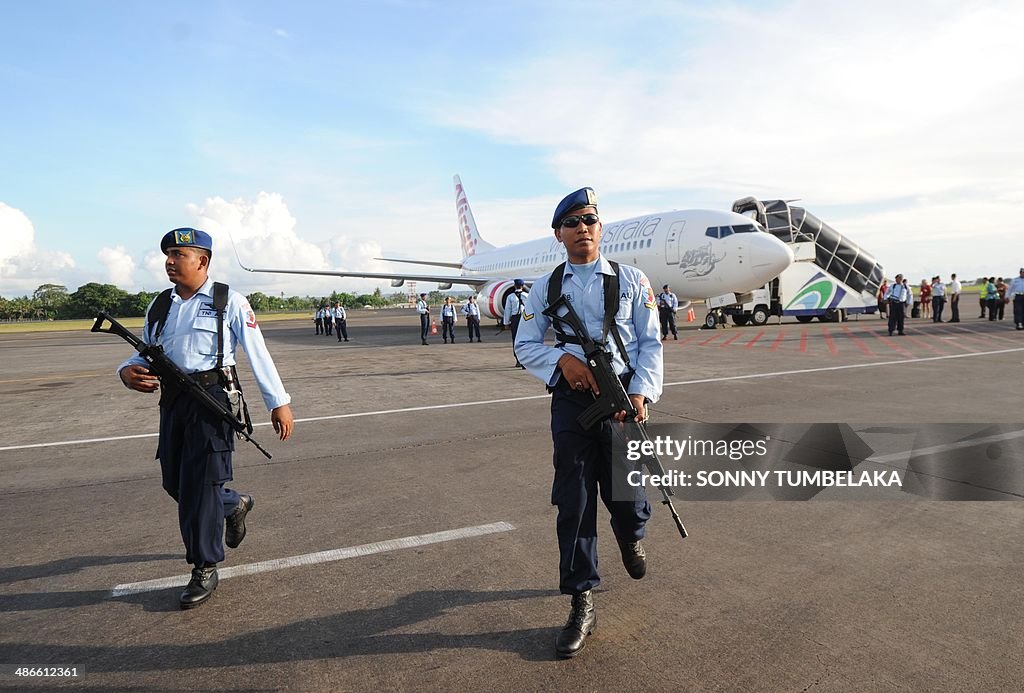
<point>625,311</point>
<point>204,336</point>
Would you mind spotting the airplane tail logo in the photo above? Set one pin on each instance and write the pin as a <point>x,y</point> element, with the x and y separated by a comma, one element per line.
<point>471,240</point>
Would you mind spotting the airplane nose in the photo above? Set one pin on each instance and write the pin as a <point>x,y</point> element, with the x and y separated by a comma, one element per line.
<point>773,256</point>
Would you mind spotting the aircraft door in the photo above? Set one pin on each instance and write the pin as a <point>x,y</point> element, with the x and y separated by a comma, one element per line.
<point>672,239</point>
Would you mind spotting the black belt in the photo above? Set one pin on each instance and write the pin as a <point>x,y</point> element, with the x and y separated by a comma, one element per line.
<point>215,376</point>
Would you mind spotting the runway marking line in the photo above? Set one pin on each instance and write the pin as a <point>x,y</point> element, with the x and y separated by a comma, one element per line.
<point>453,405</point>
<point>828,341</point>
<point>318,557</point>
<point>753,341</point>
<point>858,342</point>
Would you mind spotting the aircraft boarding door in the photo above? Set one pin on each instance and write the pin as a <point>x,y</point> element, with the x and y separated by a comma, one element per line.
<point>675,232</point>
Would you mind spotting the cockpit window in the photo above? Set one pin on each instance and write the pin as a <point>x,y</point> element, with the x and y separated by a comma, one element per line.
<point>712,232</point>
<point>743,228</point>
<point>724,231</point>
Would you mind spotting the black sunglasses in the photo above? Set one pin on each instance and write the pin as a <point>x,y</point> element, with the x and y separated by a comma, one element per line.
<point>573,220</point>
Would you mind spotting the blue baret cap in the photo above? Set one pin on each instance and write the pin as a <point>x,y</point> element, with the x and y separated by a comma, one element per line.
<point>584,197</point>
<point>186,238</point>
<point>519,282</point>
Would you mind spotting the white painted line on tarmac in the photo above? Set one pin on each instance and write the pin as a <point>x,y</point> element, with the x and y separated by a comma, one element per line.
<point>319,557</point>
<point>945,447</point>
<point>454,405</point>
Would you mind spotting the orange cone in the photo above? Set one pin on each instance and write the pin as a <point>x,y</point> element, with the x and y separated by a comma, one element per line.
<point>433,327</point>
<point>690,317</point>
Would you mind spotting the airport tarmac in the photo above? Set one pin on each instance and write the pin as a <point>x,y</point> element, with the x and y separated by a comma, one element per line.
<point>404,539</point>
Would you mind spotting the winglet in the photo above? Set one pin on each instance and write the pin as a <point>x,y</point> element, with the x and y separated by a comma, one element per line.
<point>237,258</point>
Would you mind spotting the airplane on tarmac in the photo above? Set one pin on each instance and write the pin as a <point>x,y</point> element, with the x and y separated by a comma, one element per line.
<point>700,253</point>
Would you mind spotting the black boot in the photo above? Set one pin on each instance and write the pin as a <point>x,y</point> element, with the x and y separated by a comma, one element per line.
<point>200,588</point>
<point>582,622</point>
<point>634,558</point>
<point>234,525</point>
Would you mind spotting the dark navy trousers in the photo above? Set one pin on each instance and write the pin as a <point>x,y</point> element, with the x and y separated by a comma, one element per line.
<point>424,326</point>
<point>195,460</point>
<point>583,468</point>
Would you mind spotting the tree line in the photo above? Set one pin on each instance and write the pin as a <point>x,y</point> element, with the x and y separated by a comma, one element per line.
<point>54,302</point>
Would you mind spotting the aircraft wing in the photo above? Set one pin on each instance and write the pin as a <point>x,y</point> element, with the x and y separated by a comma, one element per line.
<point>474,282</point>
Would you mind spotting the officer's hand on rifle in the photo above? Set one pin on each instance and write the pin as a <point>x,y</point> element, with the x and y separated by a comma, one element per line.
<point>139,378</point>
<point>639,403</point>
<point>577,375</point>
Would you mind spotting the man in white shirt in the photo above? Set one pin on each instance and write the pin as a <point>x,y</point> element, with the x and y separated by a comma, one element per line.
<point>954,297</point>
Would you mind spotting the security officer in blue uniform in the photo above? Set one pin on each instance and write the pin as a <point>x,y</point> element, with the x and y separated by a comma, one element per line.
<point>472,312</point>
<point>583,458</point>
<point>423,308</point>
<point>513,313</point>
<point>195,446</point>
<point>896,297</point>
<point>667,305</point>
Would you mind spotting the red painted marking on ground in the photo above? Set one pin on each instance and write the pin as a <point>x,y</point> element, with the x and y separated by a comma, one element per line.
<point>858,342</point>
<point>828,341</point>
<point>970,334</point>
<point>753,341</point>
<point>731,339</point>
<point>777,342</point>
<point>955,342</point>
<point>684,341</point>
<point>803,341</point>
<point>888,341</point>
<point>709,339</point>
<point>923,343</point>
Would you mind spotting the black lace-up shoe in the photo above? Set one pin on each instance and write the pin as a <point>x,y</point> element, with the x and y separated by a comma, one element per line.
<point>582,622</point>
<point>634,558</point>
<point>234,525</point>
<point>200,588</point>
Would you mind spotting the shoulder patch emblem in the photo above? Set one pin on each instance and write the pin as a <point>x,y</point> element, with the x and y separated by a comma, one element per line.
<point>527,316</point>
<point>250,319</point>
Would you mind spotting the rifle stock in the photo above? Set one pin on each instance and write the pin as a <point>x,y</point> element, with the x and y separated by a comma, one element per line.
<point>172,376</point>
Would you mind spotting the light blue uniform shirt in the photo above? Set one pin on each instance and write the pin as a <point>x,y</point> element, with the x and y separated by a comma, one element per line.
<point>512,306</point>
<point>1015,287</point>
<point>897,292</point>
<point>339,313</point>
<point>637,321</point>
<point>471,309</point>
<point>189,338</point>
<point>670,300</point>
<point>421,307</point>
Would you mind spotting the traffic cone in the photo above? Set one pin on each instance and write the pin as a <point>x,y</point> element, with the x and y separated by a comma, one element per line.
<point>433,327</point>
<point>690,317</point>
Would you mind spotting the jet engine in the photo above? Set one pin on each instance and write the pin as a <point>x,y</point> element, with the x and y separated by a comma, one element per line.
<point>492,298</point>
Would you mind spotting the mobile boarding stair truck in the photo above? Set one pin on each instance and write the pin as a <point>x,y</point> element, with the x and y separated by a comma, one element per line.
<point>830,279</point>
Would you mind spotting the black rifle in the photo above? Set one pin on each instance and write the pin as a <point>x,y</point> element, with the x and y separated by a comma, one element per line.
<point>613,397</point>
<point>174,378</point>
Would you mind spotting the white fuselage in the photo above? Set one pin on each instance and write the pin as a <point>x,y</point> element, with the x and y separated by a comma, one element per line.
<point>671,248</point>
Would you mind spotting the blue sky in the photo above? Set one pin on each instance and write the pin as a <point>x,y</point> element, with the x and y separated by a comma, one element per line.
<point>326,134</point>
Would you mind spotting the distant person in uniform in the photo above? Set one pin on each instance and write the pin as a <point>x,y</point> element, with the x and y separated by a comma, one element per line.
<point>328,320</point>
<point>424,310</point>
<point>514,312</point>
<point>583,458</point>
<point>318,320</point>
<point>955,287</point>
<point>1015,293</point>
<point>195,446</point>
<point>340,321</point>
<point>448,320</point>
<point>938,298</point>
<point>472,312</point>
<point>896,301</point>
<point>667,305</point>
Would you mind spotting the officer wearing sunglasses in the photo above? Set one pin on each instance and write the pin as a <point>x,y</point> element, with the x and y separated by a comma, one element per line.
<point>583,458</point>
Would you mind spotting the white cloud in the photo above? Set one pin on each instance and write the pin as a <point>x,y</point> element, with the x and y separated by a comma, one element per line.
<point>266,236</point>
<point>903,108</point>
<point>120,265</point>
<point>23,265</point>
